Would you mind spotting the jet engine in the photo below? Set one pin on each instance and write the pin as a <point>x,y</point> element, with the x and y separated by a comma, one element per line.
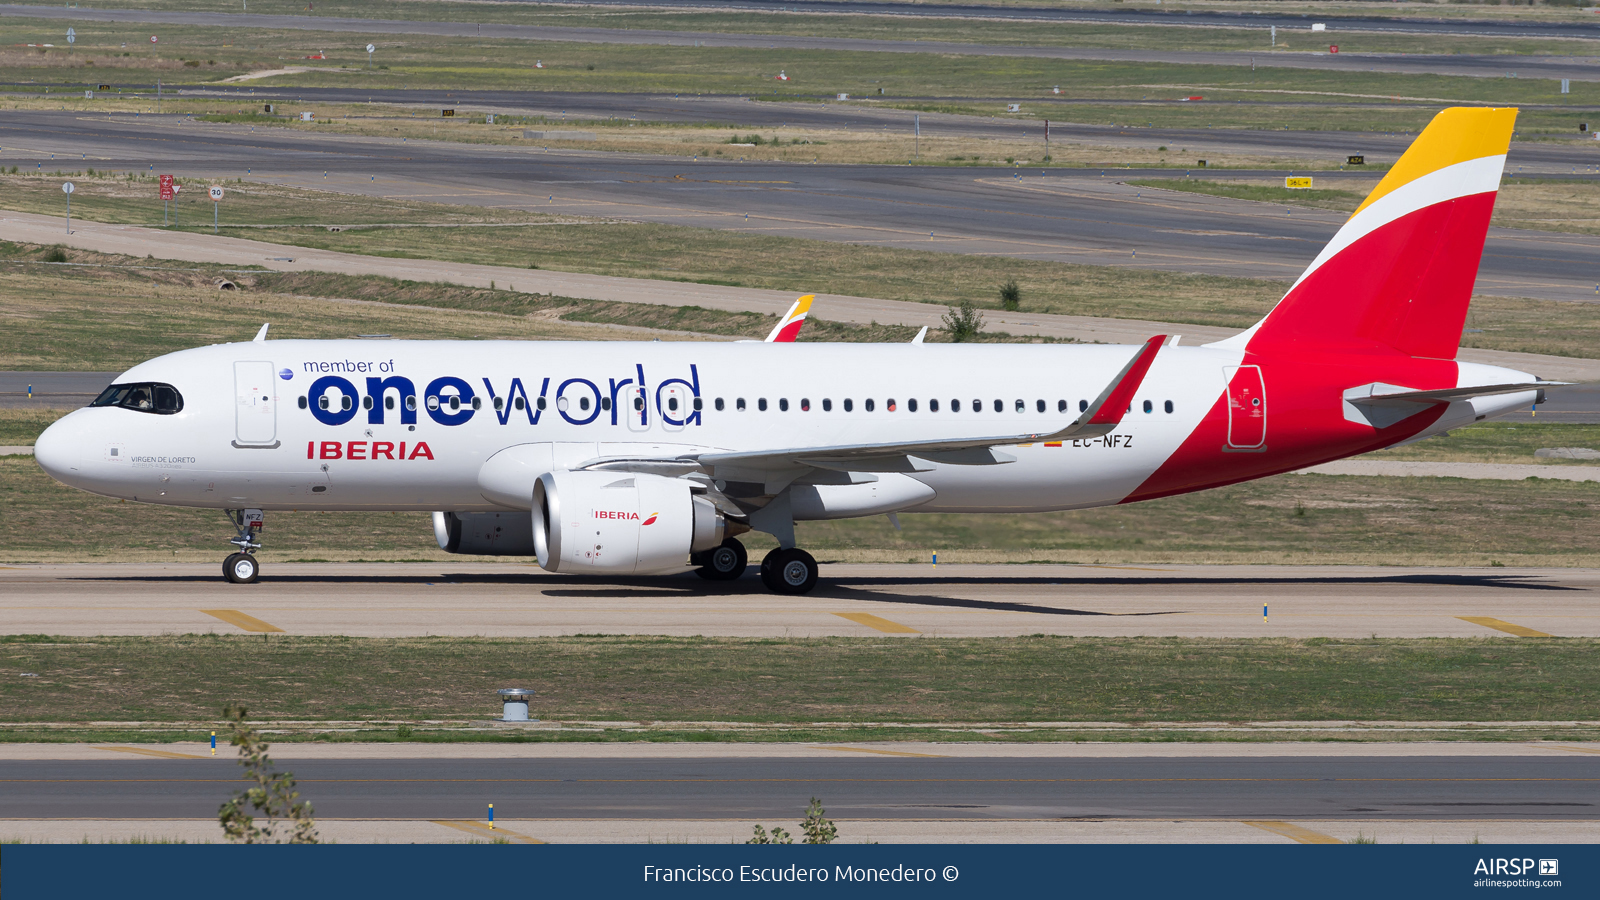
<point>484,533</point>
<point>620,523</point>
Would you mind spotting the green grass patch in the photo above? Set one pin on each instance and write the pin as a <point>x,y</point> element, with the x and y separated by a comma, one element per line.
<point>796,682</point>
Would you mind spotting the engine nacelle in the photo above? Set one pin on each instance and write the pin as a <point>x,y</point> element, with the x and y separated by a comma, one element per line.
<point>619,523</point>
<point>484,533</point>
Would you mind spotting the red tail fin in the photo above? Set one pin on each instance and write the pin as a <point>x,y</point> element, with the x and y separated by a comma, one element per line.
<point>1398,276</point>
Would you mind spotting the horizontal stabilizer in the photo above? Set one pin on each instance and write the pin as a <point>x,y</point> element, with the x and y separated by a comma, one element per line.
<point>1381,405</point>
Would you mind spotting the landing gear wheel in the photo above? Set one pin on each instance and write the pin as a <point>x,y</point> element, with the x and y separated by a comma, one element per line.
<point>724,563</point>
<point>792,571</point>
<point>241,568</point>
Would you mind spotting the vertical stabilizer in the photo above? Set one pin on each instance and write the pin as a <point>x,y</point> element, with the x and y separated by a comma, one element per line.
<point>1398,276</point>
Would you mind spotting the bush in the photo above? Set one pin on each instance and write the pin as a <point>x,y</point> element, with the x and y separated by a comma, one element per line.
<point>963,323</point>
<point>1010,295</point>
<point>55,254</point>
<point>273,796</point>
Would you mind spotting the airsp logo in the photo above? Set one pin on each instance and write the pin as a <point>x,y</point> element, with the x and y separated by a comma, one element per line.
<point>1514,867</point>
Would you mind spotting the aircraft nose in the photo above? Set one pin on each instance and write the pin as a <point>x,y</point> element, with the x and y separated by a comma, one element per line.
<point>59,450</point>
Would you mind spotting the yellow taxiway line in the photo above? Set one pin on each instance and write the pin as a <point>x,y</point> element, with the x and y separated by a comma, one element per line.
<point>479,829</point>
<point>248,623</point>
<point>1295,833</point>
<point>877,623</point>
<point>1501,625</point>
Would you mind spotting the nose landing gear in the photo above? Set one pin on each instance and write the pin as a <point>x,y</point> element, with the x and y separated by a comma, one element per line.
<point>242,567</point>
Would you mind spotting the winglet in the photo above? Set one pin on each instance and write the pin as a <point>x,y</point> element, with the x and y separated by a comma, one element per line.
<point>1105,413</point>
<point>921,335</point>
<point>262,334</point>
<point>788,327</point>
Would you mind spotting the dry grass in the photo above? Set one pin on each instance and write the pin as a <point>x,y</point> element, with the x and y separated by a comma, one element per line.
<point>940,681</point>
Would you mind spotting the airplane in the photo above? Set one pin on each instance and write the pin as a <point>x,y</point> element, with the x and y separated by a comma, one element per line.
<point>788,327</point>
<point>631,458</point>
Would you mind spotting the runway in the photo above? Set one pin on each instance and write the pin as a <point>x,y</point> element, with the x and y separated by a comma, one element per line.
<point>853,786</point>
<point>473,598</point>
<point>1479,66</point>
<point>1067,215</point>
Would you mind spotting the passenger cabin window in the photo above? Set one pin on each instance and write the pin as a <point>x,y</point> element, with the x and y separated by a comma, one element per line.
<point>783,404</point>
<point>1083,406</point>
<point>955,406</point>
<point>805,404</point>
<point>605,403</point>
<point>520,404</point>
<point>761,404</point>
<point>827,405</point>
<point>999,406</point>
<point>1169,406</point>
<point>849,404</point>
<point>499,404</point>
<point>161,399</point>
<point>933,406</point>
<point>1061,406</point>
<point>698,404</point>
<point>1021,406</point>
<point>869,404</point>
<point>719,404</point>
<point>1149,407</point>
<point>739,404</point>
<point>672,404</point>
<point>911,405</point>
<point>1039,406</point>
<point>890,405</point>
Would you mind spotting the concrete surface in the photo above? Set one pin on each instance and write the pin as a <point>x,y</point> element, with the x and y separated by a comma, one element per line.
<point>1490,471</point>
<point>471,598</point>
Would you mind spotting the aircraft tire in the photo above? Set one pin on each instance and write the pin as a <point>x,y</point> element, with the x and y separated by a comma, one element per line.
<point>241,568</point>
<point>792,571</point>
<point>724,563</point>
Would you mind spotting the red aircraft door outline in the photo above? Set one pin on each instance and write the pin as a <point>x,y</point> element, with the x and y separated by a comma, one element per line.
<point>1247,408</point>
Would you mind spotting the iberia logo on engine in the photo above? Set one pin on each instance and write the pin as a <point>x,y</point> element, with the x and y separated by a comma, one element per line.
<point>620,514</point>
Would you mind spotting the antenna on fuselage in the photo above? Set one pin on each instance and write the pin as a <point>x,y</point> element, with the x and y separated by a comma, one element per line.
<point>262,334</point>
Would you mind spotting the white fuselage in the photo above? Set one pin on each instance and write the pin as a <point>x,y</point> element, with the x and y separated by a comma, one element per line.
<point>242,440</point>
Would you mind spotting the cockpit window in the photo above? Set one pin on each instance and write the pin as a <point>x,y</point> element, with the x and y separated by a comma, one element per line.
<point>162,399</point>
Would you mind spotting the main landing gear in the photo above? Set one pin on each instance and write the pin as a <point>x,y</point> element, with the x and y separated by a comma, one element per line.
<point>724,563</point>
<point>791,571</point>
<point>242,567</point>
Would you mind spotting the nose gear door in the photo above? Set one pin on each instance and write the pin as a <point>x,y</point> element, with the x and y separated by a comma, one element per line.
<point>255,404</point>
<point>1247,408</point>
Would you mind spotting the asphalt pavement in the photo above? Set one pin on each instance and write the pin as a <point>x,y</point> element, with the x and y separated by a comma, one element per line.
<point>51,390</point>
<point>1473,65</point>
<point>880,788</point>
<point>1067,215</point>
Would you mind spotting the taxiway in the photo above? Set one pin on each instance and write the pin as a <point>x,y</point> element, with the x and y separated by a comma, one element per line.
<point>473,598</point>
